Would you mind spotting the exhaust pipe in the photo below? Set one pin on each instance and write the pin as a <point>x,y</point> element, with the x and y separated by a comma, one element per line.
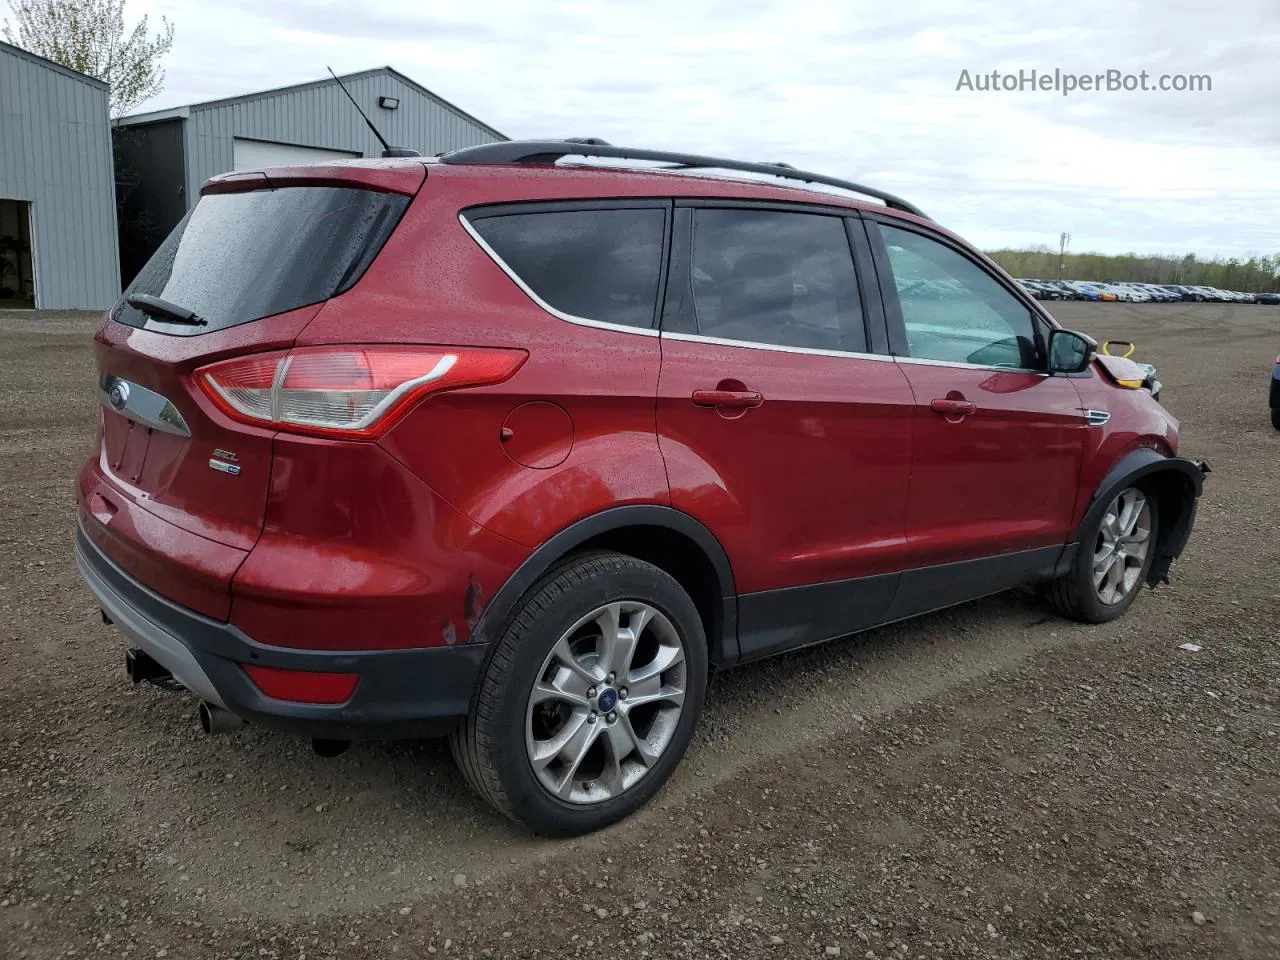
<point>329,748</point>
<point>214,719</point>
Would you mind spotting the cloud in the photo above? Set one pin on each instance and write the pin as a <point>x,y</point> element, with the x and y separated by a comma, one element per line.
<point>849,87</point>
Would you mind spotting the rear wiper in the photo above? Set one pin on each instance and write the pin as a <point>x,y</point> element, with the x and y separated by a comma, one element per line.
<point>163,309</point>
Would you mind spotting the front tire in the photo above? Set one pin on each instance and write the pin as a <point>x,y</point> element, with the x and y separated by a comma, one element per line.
<point>590,697</point>
<point>1111,563</point>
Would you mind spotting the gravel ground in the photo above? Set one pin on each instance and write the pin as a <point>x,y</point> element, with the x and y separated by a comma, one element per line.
<point>985,782</point>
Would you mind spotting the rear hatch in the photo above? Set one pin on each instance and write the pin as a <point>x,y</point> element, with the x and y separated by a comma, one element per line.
<point>246,270</point>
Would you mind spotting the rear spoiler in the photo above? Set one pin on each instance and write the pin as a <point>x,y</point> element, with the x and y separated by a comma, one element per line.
<point>403,176</point>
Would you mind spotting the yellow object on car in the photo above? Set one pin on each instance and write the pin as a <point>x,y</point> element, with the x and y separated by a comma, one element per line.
<point>1107,346</point>
<point>1122,371</point>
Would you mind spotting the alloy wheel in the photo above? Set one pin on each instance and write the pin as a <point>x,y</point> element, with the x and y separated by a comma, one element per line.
<point>606,703</point>
<point>1124,539</point>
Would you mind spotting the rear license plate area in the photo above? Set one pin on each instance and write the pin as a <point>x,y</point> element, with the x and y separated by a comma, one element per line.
<point>127,444</point>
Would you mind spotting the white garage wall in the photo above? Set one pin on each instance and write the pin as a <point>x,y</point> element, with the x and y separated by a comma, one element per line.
<point>55,154</point>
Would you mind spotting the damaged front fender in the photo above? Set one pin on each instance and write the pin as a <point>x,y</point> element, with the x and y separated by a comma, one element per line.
<point>1176,484</point>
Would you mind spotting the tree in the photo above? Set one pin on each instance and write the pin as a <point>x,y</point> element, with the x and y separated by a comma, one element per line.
<point>1254,275</point>
<point>90,36</point>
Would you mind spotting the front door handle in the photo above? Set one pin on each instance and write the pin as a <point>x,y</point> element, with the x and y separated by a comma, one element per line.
<point>732,399</point>
<point>953,408</point>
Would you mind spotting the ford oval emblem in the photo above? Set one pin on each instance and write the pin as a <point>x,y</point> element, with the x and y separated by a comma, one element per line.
<point>119,395</point>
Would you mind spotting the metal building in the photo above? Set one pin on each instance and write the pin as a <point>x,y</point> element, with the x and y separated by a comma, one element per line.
<point>57,194</point>
<point>163,157</point>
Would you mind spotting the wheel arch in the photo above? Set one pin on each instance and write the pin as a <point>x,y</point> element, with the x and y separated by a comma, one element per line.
<point>668,538</point>
<point>1175,482</point>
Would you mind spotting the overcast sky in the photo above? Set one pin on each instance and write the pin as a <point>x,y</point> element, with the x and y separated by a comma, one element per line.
<point>856,88</point>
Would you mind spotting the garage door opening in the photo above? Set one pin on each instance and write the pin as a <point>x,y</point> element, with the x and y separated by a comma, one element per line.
<point>17,265</point>
<point>256,154</point>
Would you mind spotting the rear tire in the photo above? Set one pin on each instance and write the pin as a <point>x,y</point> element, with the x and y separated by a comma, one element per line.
<point>590,697</point>
<point>1107,550</point>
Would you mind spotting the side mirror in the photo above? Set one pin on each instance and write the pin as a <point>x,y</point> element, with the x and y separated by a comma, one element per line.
<point>1070,352</point>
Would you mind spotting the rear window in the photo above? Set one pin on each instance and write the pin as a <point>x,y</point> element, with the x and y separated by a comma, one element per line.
<point>238,257</point>
<point>592,264</point>
<point>768,277</point>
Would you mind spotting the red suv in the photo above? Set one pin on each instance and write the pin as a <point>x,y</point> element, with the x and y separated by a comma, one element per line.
<point>521,451</point>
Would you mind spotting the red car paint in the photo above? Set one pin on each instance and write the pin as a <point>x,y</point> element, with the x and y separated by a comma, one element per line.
<point>1135,423</point>
<point>1000,479</point>
<point>843,470</point>
<point>830,432</point>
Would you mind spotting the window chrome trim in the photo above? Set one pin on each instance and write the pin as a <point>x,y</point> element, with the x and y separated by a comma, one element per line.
<point>925,362</point>
<point>569,317</point>
<point>775,347</point>
<point>141,405</point>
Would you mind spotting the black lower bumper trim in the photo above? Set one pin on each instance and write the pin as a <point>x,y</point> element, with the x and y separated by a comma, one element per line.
<point>401,693</point>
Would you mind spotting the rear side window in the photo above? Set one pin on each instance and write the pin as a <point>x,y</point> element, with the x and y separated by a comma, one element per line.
<point>238,257</point>
<point>591,264</point>
<point>776,278</point>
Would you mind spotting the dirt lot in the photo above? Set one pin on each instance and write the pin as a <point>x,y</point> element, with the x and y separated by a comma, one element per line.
<point>986,782</point>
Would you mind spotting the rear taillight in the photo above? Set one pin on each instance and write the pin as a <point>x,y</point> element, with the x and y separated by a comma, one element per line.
<point>347,391</point>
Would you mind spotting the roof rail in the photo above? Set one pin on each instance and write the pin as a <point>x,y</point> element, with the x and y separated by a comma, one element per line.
<point>549,151</point>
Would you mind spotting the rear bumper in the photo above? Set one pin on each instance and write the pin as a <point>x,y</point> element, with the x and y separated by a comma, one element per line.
<point>401,693</point>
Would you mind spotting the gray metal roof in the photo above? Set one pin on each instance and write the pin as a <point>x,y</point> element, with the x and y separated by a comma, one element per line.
<point>52,65</point>
<point>185,111</point>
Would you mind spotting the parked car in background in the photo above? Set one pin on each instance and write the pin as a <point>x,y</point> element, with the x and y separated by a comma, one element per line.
<point>1133,292</point>
<point>1272,299</point>
<point>1084,291</point>
<point>1065,288</point>
<point>1099,291</point>
<point>1160,294</point>
<point>1041,290</point>
<point>1213,294</point>
<point>1124,294</point>
<point>608,443</point>
<point>1275,393</point>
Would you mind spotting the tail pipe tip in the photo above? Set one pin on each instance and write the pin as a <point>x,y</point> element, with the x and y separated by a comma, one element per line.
<point>326,747</point>
<point>215,719</point>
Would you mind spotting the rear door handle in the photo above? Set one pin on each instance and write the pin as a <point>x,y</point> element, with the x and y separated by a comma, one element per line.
<point>953,408</point>
<point>735,399</point>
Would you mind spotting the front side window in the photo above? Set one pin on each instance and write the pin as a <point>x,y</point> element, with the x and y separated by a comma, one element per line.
<point>771,277</point>
<point>593,264</point>
<point>954,310</point>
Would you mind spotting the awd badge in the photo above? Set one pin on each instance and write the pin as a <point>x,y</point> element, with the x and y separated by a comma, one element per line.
<point>225,461</point>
